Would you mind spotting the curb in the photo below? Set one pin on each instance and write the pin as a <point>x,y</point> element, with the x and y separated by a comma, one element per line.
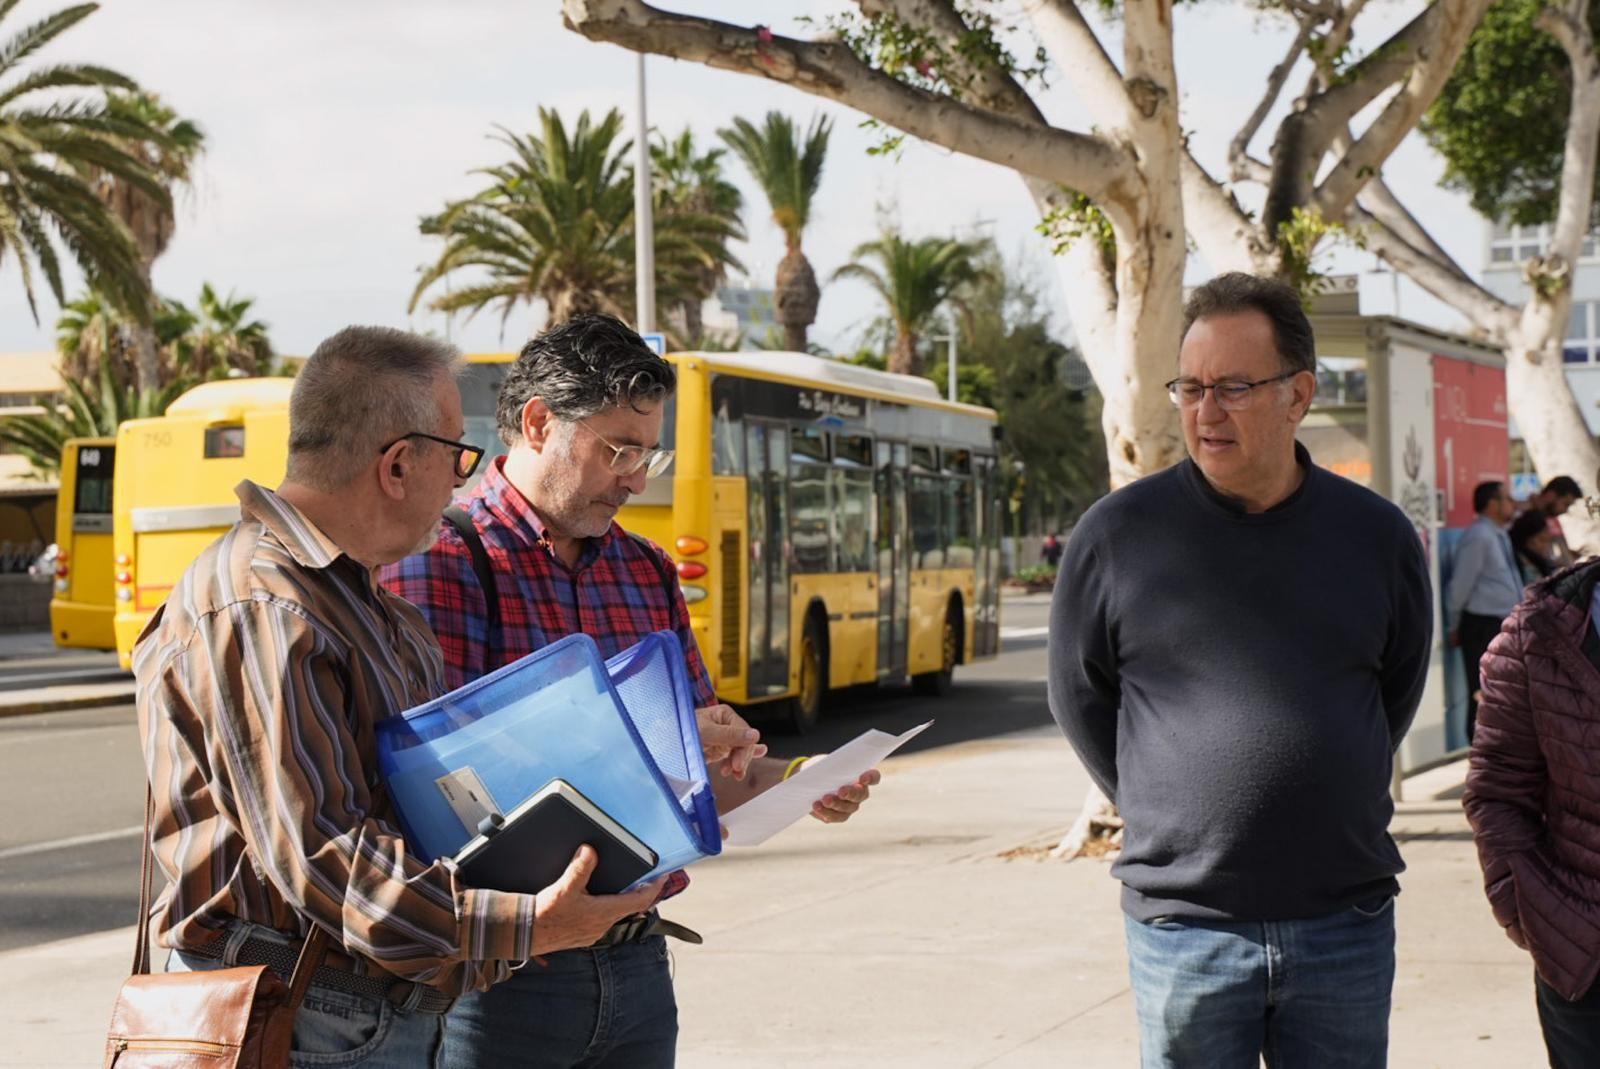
<point>34,702</point>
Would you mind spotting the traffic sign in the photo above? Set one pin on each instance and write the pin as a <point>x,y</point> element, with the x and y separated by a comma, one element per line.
<point>657,343</point>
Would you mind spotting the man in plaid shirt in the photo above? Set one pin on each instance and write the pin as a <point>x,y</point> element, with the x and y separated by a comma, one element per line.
<point>581,411</point>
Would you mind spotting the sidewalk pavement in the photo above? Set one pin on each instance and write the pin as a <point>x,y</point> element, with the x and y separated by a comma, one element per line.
<point>934,932</point>
<point>34,655</point>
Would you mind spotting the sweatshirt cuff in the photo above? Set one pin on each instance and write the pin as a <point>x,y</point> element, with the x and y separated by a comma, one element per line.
<point>499,925</point>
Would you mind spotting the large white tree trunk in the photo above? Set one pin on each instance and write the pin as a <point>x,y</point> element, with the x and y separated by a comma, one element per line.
<point>1547,414</point>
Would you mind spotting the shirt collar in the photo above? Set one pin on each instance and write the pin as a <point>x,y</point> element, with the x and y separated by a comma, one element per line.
<point>507,504</point>
<point>306,542</point>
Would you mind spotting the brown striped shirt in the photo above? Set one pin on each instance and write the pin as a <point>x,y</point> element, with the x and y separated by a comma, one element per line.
<point>259,682</point>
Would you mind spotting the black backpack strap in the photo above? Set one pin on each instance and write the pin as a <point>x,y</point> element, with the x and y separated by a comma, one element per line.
<point>669,577</point>
<point>458,518</point>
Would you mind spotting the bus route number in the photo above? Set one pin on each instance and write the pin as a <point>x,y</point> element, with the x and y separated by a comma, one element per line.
<point>158,439</point>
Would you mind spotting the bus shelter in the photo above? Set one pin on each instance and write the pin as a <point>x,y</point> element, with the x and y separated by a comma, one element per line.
<point>1418,415</point>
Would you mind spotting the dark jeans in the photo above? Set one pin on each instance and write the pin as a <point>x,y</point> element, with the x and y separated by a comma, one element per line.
<point>601,1008</point>
<point>1303,994</point>
<point>1476,633</point>
<point>1571,1029</point>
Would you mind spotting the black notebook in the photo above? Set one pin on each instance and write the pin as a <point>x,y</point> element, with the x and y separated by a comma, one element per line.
<point>530,847</point>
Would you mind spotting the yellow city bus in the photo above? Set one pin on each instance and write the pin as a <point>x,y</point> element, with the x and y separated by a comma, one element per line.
<point>832,525</point>
<point>81,606</point>
<point>175,482</point>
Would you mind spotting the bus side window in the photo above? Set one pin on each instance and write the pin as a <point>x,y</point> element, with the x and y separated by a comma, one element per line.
<point>926,540</point>
<point>224,442</point>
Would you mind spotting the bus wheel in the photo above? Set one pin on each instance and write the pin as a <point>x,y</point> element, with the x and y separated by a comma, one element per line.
<point>805,708</point>
<point>938,684</point>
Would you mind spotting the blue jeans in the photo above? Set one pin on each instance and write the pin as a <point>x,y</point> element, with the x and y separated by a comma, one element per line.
<point>335,1028</point>
<point>599,1008</point>
<point>1305,994</point>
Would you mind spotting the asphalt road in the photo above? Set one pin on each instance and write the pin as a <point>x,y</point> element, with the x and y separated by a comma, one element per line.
<point>72,791</point>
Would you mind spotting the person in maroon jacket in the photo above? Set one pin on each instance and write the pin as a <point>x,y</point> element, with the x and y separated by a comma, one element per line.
<point>1532,800</point>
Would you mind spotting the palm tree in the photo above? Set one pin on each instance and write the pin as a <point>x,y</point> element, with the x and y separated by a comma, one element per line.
<point>221,339</point>
<point>915,279</point>
<point>788,172</point>
<point>556,224</point>
<point>690,184</point>
<point>151,220</point>
<point>83,413</point>
<point>48,143</point>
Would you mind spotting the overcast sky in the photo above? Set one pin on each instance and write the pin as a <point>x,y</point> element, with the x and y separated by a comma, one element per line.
<point>332,126</point>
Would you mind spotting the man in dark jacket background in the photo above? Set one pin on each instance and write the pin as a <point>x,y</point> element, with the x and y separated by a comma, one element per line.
<point>1532,801</point>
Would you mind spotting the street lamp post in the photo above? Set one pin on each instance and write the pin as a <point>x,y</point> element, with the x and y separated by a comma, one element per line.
<point>644,231</point>
<point>950,371</point>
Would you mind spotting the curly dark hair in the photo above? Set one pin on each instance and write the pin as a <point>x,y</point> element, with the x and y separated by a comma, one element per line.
<point>589,363</point>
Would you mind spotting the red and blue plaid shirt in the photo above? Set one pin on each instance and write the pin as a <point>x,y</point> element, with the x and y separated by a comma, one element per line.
<point>616,595</point>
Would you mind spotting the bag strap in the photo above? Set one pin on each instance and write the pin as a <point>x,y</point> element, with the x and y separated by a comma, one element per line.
<point>312,951</point>
<point>669,578</point>
<point>458,518</point>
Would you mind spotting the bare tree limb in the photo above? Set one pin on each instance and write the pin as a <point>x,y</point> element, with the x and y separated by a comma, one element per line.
<point>1226,237</point>
<point>1568,23</point>
<point>830,70</point>
<point>1419,57</point>
<point>1381,201</point>
<point>1239,148</point>
<point>1486,311</point>
<point>994,89</point>
<point>1076,49</point>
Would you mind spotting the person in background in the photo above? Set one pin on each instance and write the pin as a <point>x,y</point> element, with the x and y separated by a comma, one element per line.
<point>1558,495</point>
<point>1531,799</point>
<point>1485,584</point>
<point>1532,542</point>
<point>1050,550</point>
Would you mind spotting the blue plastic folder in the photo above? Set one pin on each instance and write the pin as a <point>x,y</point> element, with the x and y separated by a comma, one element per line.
<point>623,732</point>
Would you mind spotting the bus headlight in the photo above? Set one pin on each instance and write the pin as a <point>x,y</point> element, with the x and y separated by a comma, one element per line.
<point>61,586</point>
<point>692,593</point>
<point>124,594</point>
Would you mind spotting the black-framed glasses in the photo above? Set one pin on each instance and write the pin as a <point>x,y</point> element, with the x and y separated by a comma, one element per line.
<point>627,459</point>
<point>1231,394</point>
<point>467,455</point>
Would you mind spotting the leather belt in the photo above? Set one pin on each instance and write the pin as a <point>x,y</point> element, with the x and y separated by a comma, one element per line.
<point>280,957</point>
<point>643,926</point>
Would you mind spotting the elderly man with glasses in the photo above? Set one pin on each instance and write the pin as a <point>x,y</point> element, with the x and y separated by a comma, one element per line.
<point>1237,645</point>
<point>581,411</point>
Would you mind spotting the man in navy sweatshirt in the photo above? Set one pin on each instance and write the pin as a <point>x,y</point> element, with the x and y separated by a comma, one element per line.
<point>1237,646</point>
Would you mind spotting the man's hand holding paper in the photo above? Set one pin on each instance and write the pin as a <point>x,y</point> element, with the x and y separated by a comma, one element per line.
<point>727,739</point>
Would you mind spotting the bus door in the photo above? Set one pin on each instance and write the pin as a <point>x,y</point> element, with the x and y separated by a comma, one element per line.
<point>894,560</point>
<point>81,608</point>
<point>767,495</point>
<point>986,632</point>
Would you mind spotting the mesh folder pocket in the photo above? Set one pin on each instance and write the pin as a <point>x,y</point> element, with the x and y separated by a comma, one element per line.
<point>653,685</point>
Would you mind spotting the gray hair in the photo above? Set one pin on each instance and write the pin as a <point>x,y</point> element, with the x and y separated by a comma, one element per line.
<point>580,367</point>
<point>361,389</point>
<point>1239,292</point>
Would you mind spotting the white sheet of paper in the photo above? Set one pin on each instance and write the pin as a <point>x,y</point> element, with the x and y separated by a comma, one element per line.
<point>774,809</point>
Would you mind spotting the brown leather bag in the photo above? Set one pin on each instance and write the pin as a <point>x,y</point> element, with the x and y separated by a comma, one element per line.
<point>239,1018</point>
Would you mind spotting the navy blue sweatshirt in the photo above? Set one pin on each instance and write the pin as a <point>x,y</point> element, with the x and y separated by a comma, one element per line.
<point>1237,683</point>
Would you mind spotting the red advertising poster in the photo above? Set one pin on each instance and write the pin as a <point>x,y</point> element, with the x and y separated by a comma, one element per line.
<point>1470,435</point>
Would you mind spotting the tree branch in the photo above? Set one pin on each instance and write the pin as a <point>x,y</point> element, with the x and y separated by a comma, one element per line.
<point>832,71</point>
<point>1421,55</point>
<point>1486,311</point>
<point>1239,148</point>
<point>1225,236</point>
<point>1381,201</point>
<point>1072,42</point>
<point>1569,25</point>
<point>996,90</point>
